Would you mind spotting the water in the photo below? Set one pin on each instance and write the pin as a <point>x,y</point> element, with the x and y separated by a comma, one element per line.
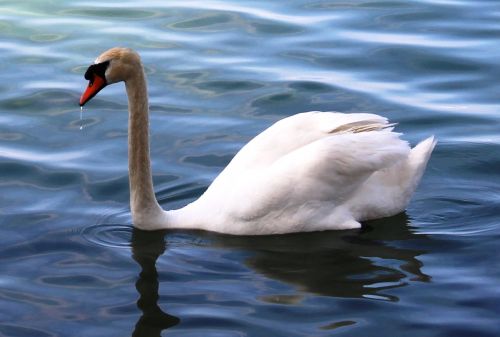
<point>219,72</point>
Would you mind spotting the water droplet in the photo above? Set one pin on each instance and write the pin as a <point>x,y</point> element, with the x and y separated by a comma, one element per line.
<point>81,117</point>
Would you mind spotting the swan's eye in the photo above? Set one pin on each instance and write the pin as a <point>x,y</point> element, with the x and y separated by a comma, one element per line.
<point>98,69</point>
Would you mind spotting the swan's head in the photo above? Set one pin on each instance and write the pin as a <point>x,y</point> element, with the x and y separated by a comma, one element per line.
<point>114,65</point>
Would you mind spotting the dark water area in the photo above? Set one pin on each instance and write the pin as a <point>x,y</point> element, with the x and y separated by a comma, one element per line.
<point>219,72</point>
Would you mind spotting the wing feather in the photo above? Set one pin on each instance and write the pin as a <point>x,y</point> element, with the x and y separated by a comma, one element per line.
<point>328,171</point>
<point>294,132</point>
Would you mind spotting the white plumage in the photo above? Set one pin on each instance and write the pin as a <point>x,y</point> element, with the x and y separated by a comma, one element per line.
<point>312,171</point>
<point>308,172</point>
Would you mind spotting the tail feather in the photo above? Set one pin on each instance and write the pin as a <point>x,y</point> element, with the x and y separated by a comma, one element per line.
<point>417,161</point>
<point>421,153</point>
<point>394,185</point>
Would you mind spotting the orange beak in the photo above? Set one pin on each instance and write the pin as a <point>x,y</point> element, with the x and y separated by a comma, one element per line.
<point>95,85</point>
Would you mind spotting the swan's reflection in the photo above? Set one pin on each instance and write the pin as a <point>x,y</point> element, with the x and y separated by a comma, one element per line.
<point>354,264</point>
<point>146,248</point>
<point>347,264</point>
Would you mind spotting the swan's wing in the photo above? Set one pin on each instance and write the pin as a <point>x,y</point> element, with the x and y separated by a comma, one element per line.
<point>310,182</point>
<point>295,187</point>
<point>333,167</point>
<point>294,132</point>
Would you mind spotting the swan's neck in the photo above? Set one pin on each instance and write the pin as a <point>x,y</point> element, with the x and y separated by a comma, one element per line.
<point>143,204</point>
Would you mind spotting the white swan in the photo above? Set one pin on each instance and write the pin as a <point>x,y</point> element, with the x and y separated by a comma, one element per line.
<point>308,172</point>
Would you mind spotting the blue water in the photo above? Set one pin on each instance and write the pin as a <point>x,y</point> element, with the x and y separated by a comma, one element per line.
<point>219,72</point>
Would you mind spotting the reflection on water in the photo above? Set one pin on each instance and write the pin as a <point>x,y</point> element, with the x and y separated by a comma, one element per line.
<point>146,248</point>
<point>338,263</point>
<point>346,264</point>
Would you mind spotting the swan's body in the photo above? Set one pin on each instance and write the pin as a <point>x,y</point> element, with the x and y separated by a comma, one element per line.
<point>308,172</point>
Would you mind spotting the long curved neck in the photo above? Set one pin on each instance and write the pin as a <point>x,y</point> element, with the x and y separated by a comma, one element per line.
<point>143,204</point>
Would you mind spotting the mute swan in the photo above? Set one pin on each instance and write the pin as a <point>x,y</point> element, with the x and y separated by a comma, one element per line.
<point>309,172</point>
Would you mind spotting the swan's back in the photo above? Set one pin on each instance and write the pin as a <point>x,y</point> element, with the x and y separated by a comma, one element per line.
<point>293,132</point>
<point>312,171</point>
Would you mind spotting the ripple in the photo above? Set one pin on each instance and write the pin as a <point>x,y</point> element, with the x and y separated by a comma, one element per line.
<point>109,235</point>
<point>283,299</point>
<point>224,87</point>
<point>18,330</point>
<point>11,136</point>
<point>426,41</point>
<point>40,156</point>
<point>274,98</point>
<point>310,86</point>
<point>209,160</point>
<point>6,27</point>
<point>204,21</point>
<point>76,281</point>
<point>126,236</point>
<point>116,13</point>
<point>337,325</point>
<point>181,192</point>
<point>270,28</point>
<point>115,189</point>
<point>47,37</point>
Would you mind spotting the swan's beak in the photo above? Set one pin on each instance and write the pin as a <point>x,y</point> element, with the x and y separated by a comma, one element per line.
<point>95,85</point>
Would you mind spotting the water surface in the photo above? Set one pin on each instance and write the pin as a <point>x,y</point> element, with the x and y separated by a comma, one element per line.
<point>219,72</point>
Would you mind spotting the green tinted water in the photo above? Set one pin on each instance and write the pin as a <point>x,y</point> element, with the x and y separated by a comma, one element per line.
<point>219,72</point>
